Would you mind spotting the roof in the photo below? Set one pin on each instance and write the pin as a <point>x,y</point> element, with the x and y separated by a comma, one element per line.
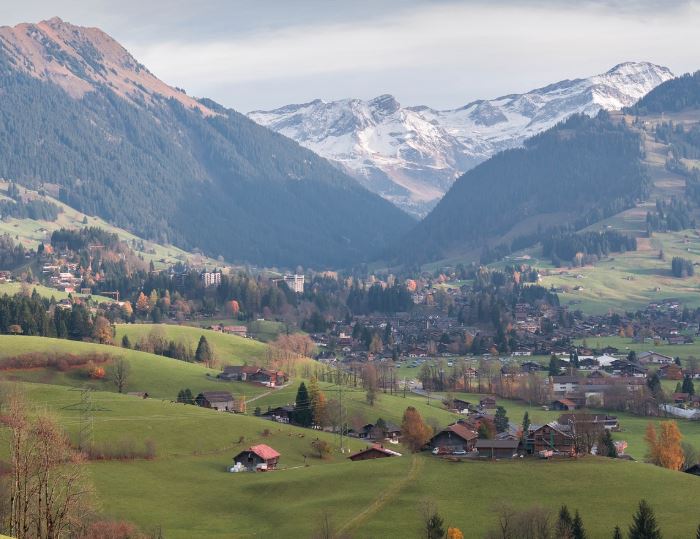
<point>461,431</point>
<point>497,444</point>
<point>217,396</point>
<point>566,402</point>
<point>265,452</point>
<point>376,447</point>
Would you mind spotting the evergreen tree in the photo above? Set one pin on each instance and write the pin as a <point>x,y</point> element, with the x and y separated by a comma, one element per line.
<point>526,424</point>
<point>434,527</point>
<point>553,365</point>
<point>302,411</point>
<point>688,386</point>
<point>644,524</point>
<point>203,353</point>
<point>126,343</point>
<point>606,445</point>
<point>654,384</point>
<point>501,419</point>
<point>577,531</point>
<point>697,535</point>
<point>563,529</point>
<point>617,533</point>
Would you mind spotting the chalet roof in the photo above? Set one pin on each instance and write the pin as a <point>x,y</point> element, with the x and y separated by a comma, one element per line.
<point>236,369</point>
<point>376,447</point>
<point>265,452</point>
<point>566,380</point>
<point>217,396</point>
<point>566,402</point>
<point>461,431</point>
<point>497,444</point>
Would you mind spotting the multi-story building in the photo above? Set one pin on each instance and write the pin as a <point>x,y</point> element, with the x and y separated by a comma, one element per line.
<point>211,278</point>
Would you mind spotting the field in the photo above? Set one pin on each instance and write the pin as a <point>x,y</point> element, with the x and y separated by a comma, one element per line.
<point>160,376</point>
<point>44,291</point>
<point>228,349</point>
<point>187,491</point>
<point>624,344</point>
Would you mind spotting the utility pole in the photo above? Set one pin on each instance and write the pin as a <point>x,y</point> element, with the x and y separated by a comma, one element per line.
<point>340,399</point>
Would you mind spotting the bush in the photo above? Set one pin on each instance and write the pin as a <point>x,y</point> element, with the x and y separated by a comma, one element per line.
<point>58,361</point>
<point>124,449</point>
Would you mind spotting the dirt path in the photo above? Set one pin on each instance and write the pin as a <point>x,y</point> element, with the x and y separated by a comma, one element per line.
<point>385,497</point>
<point>253,399</point>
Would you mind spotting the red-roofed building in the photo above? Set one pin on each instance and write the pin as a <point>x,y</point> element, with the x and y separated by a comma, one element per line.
<point>258,457</point>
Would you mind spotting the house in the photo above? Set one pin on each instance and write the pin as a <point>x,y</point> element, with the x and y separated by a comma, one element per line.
<point>489,403</point>
<point>388,430</point>
<point>281,414</point>
<point>646,358</point>
<point>453,437</point>
<point>531,366</point>
<point>551,437</point>
<point>221,401</point>
<point>460,404</point>
<point>258,457</point>
<point>246,373</point>
<point>238,373</point>
<point>608,422</point>
<point>563,404</point>
<point>376,451</point>
<point>671,372</point>
<point>564,384</point>
<point>498,449</point>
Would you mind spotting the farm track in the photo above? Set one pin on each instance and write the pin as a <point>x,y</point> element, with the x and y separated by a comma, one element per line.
<point>385,497</point>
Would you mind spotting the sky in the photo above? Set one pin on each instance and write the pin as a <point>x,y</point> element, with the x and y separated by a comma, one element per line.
<point>258,55</point>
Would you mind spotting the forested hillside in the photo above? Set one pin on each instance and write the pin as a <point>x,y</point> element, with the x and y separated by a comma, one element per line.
<point>204,178</point>
<point>671,96</point>
<point>574,174</point>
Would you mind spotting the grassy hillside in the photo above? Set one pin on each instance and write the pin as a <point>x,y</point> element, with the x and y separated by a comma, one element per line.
<point>187,491</point>
<point>228,349</point>
<point>160,376</point>
<point>388,407</point>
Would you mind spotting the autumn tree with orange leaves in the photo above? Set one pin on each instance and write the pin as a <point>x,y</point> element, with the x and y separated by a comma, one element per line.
<point>414,431</point>
<point>665,447</point>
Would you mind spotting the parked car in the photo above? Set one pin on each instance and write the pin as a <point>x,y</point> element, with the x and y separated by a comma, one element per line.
<point>459,452</point>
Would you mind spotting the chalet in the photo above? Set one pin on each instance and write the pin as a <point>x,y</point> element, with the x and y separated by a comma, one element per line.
<point>563,404</point>
<point>377,431</point>
<point>531,366</point>
<point>281,414</point>
<point>551,437</point>
<point>238,373</point>
<point>221,401</point>
<point>453,437</point>
<point>671,372</point>
<point>459,404</point>
<point>655,358</point>
<point>376,451</point>
<point>564,384</point>
<point>258,457</point>
<point>245,373</point>
<point>488,403</point>
<point>608,422</point>
<point>498,449</point>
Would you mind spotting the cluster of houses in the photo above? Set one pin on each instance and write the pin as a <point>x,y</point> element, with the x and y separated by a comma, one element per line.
<point>248,373</point>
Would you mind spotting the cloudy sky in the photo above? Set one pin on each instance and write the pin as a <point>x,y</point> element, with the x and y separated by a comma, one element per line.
<point>443,53</point>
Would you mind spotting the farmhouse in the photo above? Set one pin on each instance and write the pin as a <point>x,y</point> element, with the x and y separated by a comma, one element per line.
<point>221,401</point>
<point>563,404</point>
<point>376,451</point>
<point>453,437</point>
<point>258,457</point>
<point>609,422</point>
<point>497,449</point>
<point>551,437</point>
<point>246,373</point>
<point>654,357</point>
<point>564,384</point>
<point>488,403</point>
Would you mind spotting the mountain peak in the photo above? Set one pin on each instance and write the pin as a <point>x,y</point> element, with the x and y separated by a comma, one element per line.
<point>81,59</point>
<point>411,155</point>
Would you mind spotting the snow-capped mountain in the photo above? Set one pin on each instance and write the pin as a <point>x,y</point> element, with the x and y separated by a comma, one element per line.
<point>411,155</point>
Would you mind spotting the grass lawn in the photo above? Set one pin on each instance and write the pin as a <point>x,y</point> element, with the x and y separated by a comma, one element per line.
<point>228,349</point>
<point>44,291</point>
<point>160,376</point>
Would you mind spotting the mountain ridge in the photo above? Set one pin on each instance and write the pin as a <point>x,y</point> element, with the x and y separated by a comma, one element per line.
<point>412,155</point>
<point>78,110</point>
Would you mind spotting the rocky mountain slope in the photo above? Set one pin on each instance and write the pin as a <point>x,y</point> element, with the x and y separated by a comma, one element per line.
<point>412,155</point>
<point>79,112</point>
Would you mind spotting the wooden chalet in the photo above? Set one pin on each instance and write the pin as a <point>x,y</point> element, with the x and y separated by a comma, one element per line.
<point>221,401</point>
<point>453,437</point>
<point>551,437</point>
<point>376,451</point>
<point>498,449</point>
<point>258,457</point>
